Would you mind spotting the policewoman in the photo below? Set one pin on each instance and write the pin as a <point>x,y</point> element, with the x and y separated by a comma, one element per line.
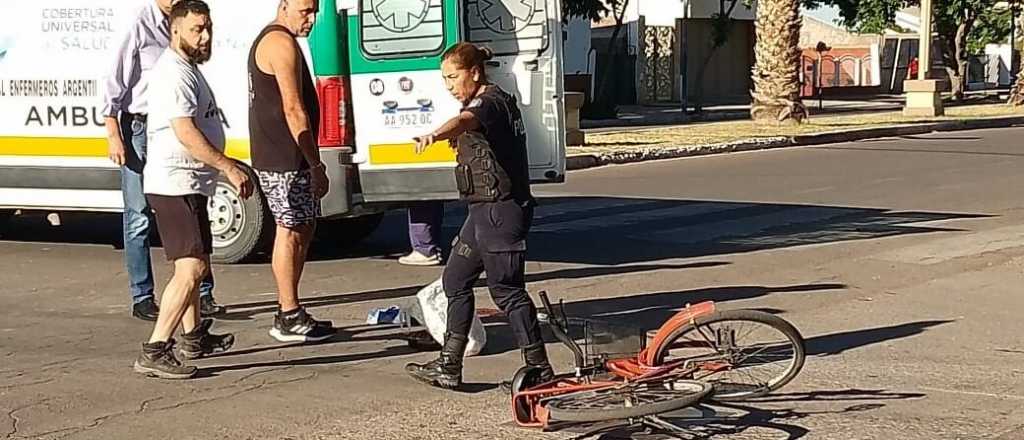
<point>493,177</point>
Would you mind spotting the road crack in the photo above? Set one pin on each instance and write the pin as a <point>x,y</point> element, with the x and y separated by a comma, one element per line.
<point>26,384</point>
<point>15,420</point>
<point>146,405</point>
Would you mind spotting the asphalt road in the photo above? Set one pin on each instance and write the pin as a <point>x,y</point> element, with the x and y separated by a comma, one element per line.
<point>900,260</point>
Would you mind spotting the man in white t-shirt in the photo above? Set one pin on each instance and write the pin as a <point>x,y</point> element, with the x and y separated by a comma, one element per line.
<point>186,155</point>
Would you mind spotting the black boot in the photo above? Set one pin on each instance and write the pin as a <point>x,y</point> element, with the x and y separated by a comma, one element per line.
<point>536,356</point>
<point>446,370</point>
<point>201,342</point>
<point>158,360</point>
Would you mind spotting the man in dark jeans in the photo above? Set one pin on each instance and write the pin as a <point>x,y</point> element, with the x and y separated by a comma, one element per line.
<point>125,116</point>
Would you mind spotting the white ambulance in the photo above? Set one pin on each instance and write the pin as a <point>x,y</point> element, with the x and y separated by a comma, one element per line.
<point>376,64</point>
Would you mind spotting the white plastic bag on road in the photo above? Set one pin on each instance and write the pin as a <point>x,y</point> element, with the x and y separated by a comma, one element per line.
<point>434,305</point>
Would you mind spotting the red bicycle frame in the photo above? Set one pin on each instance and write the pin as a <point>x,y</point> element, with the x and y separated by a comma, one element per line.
<point>527,405</point>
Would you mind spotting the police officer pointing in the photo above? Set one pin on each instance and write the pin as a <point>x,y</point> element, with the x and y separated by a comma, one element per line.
<point>493,176</point>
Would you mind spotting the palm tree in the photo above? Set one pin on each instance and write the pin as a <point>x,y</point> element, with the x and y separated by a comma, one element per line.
<point>776,69</point>
<point>1017,92</point>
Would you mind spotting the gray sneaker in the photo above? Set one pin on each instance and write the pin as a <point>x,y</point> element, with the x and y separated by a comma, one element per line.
<point>158,360</point>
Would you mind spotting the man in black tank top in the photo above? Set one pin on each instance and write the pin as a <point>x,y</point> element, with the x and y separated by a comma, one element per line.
<point>283,123</point>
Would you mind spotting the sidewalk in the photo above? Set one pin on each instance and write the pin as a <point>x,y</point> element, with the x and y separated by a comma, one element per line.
<point>648,116</point>
<point>641,143</point>
<point>637,116</point>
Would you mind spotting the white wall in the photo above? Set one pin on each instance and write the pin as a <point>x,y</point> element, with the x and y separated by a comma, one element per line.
<point>707,8</point>
<point>1002,51</point>
<point>691,8</point>
<point>876,66</point>
<point>577,47</point>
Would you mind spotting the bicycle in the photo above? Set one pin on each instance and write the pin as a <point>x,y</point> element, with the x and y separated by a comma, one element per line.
<point>694,355</point>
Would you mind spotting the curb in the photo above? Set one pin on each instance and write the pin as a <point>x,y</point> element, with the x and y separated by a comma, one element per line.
<point>653,121</point>
<point>584,161</point>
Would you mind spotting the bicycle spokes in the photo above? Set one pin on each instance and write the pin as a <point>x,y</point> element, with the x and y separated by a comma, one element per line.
<point>739,357</point>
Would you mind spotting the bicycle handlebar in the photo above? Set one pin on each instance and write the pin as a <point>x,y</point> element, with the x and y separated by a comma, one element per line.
<point>560,327</point>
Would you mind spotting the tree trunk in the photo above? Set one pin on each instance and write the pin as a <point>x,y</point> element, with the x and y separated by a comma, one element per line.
<point>602,96</point>
<point>698,97</point>
<point>1017,91</point>
<point>960,83</point>
<point>721,28</point>
<point>776,76</point>
<point>958,74</point>
<point>956,83</point>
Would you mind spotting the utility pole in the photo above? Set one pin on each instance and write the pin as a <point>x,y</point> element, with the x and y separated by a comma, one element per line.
<point>923,97</point>
<point>924,58</point>
<point>684,77</point>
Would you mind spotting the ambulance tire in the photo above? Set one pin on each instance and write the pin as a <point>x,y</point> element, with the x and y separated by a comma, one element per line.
<point>243,230</point>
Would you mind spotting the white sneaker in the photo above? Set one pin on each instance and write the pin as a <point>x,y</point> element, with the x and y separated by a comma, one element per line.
<point>417,259</point>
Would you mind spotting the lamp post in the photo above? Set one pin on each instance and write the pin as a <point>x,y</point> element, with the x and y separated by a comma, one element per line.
<point>821,48</point>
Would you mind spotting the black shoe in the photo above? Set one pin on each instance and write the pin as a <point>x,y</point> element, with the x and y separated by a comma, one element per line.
<point>298,326</point>
<point>445,371</point>
<point>146,310</point>
<point>157,360</point>
<point>209,308</point>
<point>536,356</point>
<point>200,342</point>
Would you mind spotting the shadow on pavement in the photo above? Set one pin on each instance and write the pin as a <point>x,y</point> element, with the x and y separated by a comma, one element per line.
<point>646,311</point>
<point>836,343</point>
<point>307,361</point>
<point>613,231</point>
<point>605,231</point>
<point>345,334</point>
<point>781,420</point>
<point>246,311</point>
<point>922,151</point>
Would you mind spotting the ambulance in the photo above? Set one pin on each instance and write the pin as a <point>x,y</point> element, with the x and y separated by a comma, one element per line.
<point>377,68</point>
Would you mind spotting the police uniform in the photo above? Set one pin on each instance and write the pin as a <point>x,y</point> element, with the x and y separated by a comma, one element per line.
<point>493,176</point>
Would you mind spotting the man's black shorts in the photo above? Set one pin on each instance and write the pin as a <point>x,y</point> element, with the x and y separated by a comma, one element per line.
<point>184,225</point>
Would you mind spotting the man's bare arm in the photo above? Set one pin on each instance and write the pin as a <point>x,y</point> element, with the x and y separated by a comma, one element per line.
<point>198,146</point>
<point>280,56</point>
<point>201,149</point>
<point>115,147</point>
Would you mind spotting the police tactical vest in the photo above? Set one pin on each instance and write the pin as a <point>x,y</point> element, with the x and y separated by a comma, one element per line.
<point>478,176</point>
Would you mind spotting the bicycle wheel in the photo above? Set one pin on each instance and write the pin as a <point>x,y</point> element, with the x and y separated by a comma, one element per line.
<point>744,353</point>
<point>524,378</point>
<point>635,399</point>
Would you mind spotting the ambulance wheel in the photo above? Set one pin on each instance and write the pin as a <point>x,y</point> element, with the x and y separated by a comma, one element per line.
<point>243,230</point>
